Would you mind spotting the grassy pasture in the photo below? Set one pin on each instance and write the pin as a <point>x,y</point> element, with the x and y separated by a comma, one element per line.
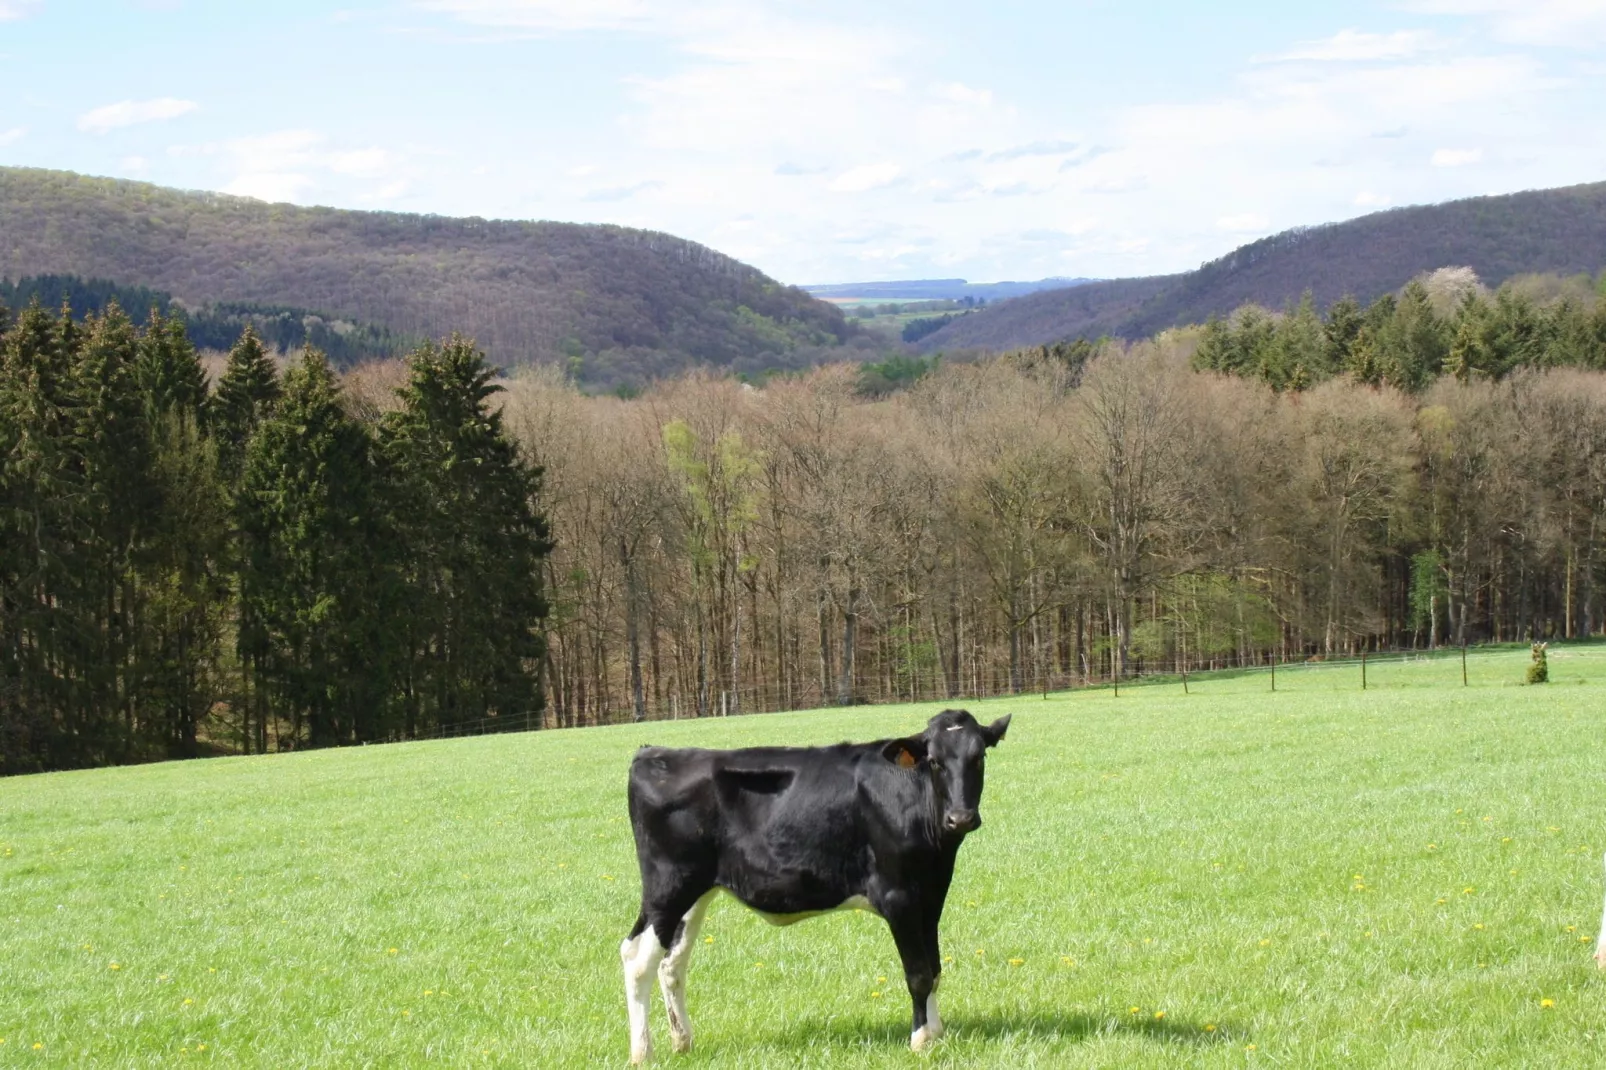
<point>1405,877</point>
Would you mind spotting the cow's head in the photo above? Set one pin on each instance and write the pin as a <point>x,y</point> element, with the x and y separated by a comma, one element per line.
<point>952,751</point>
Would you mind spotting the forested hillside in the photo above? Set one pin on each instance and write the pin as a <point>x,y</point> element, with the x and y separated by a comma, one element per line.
<point>211,327</point>
<point>1561,231</point>
<point>614,305</point>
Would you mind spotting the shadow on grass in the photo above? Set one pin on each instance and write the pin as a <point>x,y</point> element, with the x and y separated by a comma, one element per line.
<point>1032,1025</point>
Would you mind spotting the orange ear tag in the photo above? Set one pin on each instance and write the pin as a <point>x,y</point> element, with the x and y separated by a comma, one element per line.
<point>906,760</point>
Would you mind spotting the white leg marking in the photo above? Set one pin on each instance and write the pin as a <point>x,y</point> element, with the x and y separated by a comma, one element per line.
<point>672,973</point>
<point>928,1034</point>
<point>640,957</point>
<point>1600,945</point>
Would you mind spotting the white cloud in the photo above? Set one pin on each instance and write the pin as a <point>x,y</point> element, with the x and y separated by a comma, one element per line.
<point>364,163</point>
<point>132,112</point>
<point>1242,224</point>
<point>1352,46</point>
<point>135,165</point>
<point>11,10</point>
<point>15,134</point>
<point>272,186</point>
<point>623,193</point>
<point>1566,23</point>
<point>1456,157</point>
<point>866,177</point>
<point>1368,199</point>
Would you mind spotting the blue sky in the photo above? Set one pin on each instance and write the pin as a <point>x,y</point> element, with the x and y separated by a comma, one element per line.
<point>828,141</point>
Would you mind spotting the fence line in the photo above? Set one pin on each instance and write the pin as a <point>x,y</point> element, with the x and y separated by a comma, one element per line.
<point>752,697</point>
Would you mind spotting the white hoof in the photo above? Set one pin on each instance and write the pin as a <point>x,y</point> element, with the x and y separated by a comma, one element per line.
<point>681,1044</point>
<point>923,1039</point>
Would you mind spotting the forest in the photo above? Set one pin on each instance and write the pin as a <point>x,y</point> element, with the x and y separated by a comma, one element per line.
<point>1273,485</point>
<point>267,562</point>
<point>411,548</point>
<point>213,327</point>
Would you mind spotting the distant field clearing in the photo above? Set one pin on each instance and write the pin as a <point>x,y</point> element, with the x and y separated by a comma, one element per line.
<point>1409,876</point>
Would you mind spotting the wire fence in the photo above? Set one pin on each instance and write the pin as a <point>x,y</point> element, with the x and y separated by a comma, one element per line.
<point>1363,669</point>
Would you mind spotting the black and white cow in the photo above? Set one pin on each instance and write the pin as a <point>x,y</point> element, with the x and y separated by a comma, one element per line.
<point>798,831</point>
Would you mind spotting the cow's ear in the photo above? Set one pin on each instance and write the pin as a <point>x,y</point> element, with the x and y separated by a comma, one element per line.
<point>905,753</point>
<point>995,731</point>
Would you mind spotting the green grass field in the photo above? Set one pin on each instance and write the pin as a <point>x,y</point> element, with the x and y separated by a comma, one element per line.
<point>1406,877</point>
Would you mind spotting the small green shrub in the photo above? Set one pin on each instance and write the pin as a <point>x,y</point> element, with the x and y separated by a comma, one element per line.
<point>1539,671</point>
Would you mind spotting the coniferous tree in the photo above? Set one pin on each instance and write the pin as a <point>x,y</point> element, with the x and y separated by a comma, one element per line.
<point>306,513</point>
<point>246,396</point>
<point>119,502</point>
<point>182,574</point>
<point>472,543</point>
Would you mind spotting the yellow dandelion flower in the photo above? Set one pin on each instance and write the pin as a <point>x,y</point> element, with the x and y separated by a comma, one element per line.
<point>114,966</point>
<point>1067,960</point>
<point>1441,900</point>
<point>1468,890</point>
<point>758,965</point>
<point>1134,1010</point>
<point>1583,939</point>
<point>880,980</point>
<point>947,959</point>
<point>200,1047</point>
<point>1210,1027</point>
<point>390,951</point>
<point>1547,1003</point>
<point>1265,943</point>
<point>38,1047</point>
<point>875,995</point>
<point>407,1014</point>
<point>708,939</point>
<point>187,1002</point>
<point>1017,962</point>
<point>1249,1047</point>
<point>1505,839</point>
<point>1159,1015</point>
<point>980,951</point>
<point>1572,928</point>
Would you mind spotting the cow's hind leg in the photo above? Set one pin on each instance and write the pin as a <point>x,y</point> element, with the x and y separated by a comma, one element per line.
<point>672,972</point>
<point>640,953</point>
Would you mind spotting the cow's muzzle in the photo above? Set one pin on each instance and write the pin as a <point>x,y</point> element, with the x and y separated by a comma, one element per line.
<point>962,821</point>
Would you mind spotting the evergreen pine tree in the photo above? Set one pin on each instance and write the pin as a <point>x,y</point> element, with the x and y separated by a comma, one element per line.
<point>472,543</point>
<point>309,577</point>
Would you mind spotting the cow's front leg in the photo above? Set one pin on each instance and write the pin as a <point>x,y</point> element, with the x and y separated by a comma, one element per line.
<point>921,966</point>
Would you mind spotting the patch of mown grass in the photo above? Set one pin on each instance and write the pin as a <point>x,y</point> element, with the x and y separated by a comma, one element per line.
<point>1314,877</point>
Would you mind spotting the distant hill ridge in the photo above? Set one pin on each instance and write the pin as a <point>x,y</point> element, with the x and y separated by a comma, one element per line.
<point>1561,231</point>
<point>617,304</point>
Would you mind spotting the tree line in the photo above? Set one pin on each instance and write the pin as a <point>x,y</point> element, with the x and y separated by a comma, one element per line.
<point>1444,323</point>
<point>1063,516</point>
<point>215,326</point>
<point>268,562</point>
